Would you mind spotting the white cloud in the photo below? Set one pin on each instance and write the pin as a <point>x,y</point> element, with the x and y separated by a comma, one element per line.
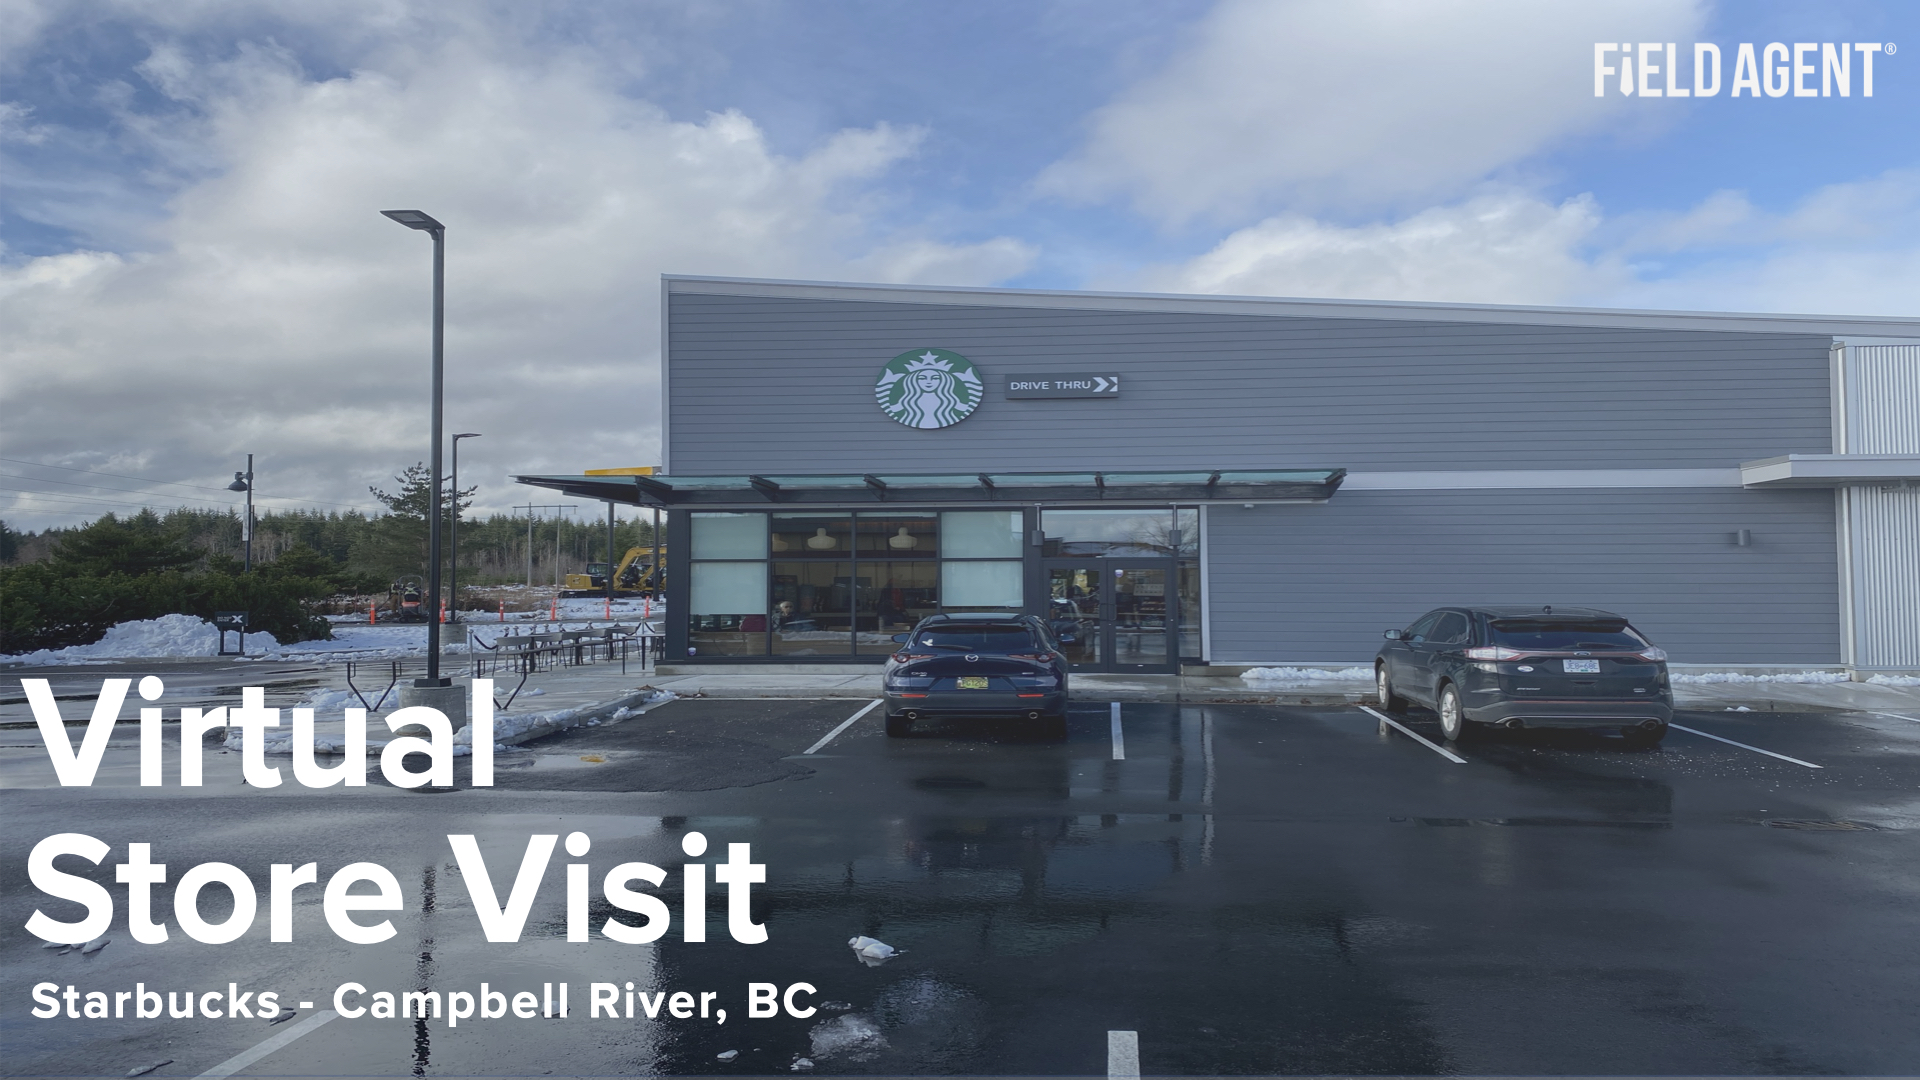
<point>1850,249</point>
<point>1847,248</point>
<point>277,312</point>
<point>1364,103</point>
<point>1501,247</point>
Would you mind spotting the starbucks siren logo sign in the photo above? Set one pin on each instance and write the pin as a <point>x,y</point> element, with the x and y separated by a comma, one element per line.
<point>929,388</point>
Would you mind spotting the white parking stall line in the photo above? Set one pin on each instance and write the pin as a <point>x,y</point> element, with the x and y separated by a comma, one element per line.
<point>1415,736</point>
<point>1119,737</point>
<point>1744,746</point>
<point>1123,1055</point>
<point>844,725</point>
<point>245,1058</point>
<point>1897,716</point>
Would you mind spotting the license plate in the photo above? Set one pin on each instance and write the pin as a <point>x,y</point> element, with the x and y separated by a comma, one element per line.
<point>971,682</point>
<point>1580,667</point>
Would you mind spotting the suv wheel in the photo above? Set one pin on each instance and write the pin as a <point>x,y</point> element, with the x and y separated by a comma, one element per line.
<point>1453,718</point>
<point>1389,701</point>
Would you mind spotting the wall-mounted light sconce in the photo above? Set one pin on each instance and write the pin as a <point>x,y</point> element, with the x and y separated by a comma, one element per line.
<point>1743,538</point>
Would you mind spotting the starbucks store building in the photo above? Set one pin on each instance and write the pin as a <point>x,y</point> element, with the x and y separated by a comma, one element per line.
<point>1178,481</point>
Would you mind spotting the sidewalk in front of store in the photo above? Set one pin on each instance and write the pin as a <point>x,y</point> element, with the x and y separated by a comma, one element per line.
<point>798,681</point>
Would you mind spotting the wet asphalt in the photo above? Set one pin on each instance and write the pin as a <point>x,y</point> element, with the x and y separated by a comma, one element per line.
<point>1252,889</point>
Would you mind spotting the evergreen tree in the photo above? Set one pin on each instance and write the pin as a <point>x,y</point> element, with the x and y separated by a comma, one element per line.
<point>396,543</point>
<point>137,546</point>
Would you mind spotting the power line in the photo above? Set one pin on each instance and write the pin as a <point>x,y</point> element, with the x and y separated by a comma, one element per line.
<point>144,480</point>
<point>101,472</point>
<point>110,502</point>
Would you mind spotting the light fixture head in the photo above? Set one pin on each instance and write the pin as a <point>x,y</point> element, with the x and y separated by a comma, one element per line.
<point>468,435</point>
<point>414,219</point>
<point>239,482</point>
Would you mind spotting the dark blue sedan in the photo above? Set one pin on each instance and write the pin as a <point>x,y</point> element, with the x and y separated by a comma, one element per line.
<point>999,663</point>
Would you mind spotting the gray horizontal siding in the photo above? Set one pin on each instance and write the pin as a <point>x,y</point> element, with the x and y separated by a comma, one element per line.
<point>1319,583</point>
<point>759,383</point>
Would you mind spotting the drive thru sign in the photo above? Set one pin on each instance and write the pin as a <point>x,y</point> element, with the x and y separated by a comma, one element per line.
<point>1063,384</point>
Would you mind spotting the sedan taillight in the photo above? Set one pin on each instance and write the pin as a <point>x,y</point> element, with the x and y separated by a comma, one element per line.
<point>909,657</point>
<point>1494,652</point>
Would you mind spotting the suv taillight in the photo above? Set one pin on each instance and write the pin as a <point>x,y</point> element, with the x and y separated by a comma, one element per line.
<point>1653,653</point>
<point>1494,652</point>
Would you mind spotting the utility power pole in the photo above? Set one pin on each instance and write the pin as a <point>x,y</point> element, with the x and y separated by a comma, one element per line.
<point>530,508</point>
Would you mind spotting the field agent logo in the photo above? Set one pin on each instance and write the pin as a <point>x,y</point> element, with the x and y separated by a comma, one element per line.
<point>1652,68</point>
<point>929,388</point>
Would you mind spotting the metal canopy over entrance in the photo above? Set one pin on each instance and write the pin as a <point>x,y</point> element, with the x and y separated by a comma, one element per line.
<point>933,489</point>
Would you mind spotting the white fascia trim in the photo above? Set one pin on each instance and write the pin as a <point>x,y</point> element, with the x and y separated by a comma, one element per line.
<point>1206,590</point>
<point>1892,329</point>
<point>666,384</point>
<point>1549,479</point>
<point>1828,470</point>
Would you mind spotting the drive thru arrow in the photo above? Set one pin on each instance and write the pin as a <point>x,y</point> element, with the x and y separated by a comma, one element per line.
<point>1101,384</point>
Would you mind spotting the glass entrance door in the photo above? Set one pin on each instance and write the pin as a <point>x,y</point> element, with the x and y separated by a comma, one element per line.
<point>1112,614</point>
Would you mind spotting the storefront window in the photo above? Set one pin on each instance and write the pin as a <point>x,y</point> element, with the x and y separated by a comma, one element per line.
<point>1186,520</point>
<point>1189,583</point>
<point>729,536</point>
<point>811,607</point>
<point>812,536</point>
<point>982,534</point>
<point>888,536</point>
<point>1109,533</point>
<point>726,616</point>
<point>982,586</point>
<point>890,598</point>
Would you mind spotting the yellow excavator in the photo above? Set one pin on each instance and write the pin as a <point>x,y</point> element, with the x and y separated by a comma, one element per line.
<point>635,576</point>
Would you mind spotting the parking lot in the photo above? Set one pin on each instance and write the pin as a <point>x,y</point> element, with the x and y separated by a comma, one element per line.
<point>1248,888</point>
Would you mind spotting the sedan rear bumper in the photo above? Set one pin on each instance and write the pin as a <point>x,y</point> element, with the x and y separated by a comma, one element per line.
<point>1613,712</point>
<point>976,703</point>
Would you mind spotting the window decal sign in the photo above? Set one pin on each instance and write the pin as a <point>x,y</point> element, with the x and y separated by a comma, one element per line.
<point>929,388</point>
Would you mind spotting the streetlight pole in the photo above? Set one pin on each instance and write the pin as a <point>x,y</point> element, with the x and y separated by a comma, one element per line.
<point>244,482</point>
<point>453,564</point>
<point>414,219</point>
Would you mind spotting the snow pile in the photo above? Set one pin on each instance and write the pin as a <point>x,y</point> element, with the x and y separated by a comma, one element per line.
<point>1298,676</point>
<point>1737,677</point>
<point>168,635</point>
<point>1894,680</point>
<point>329,700</point>
<point>509,729</point>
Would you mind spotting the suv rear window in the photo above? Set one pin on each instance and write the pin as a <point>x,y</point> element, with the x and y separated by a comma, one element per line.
<point>1554,635</point>
<point>981,639</point>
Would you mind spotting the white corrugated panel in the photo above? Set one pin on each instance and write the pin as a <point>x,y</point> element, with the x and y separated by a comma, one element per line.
<point>1885,571</point>
<point>1883,400</point>
<point>1880,399</point>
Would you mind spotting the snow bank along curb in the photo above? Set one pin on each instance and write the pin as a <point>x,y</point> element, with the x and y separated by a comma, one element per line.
<point>509,729</point>
<point>166,636</point>
<point>515,730</point>
<point>1304,676</point>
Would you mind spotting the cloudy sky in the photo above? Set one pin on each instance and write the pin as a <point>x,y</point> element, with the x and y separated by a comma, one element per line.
<point>192,264</point>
